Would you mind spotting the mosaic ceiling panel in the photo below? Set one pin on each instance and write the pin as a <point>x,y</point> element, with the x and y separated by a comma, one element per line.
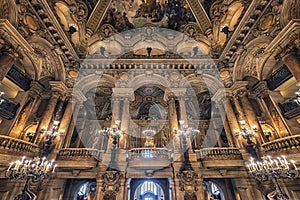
<point>124,15</point>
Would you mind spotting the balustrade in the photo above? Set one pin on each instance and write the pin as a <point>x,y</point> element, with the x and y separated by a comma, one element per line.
<point>221,153</point>
<point>286,143</point>
<point>149,153</point>
<point>80,153</point>
<point>13,144</point>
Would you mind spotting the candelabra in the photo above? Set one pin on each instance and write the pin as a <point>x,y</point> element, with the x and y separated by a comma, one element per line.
<point>183,132</point>
<point>36,170</point>
<point>50,137</point>
<point>1,98</point>
<point>115,132</point>
<point>246,133</point>
<point>297,99</point>
<point>273,169</point>
<point>149,137</point>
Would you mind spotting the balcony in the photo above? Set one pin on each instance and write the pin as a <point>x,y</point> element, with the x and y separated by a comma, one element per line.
<point>215,157</point>
<point>279,77</point>
<point>290,144</point>
<point>290,108</point>
<point>79,157</point>
<point>9,144</point>
<point>8,109</point>
<point>18,77</point>
<point>149,158</point>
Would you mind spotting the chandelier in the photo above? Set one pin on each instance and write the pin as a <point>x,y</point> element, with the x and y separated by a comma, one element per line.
<point>246,133</point>
<point>115,132</point>
<point>51,135</point>
<point>1,98</point>
<point>36,170</point>
<point>269,168</point>
<point>184,130</point>
<point>297,99</point>
<point>273,169</point>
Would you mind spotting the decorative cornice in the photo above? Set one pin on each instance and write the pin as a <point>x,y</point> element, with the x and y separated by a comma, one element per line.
<point>255,10</point>
<point>49,20</point>
<point>288,35</point>
<point>201,16</point>
<point>97,16</point>
<point>123,93</point>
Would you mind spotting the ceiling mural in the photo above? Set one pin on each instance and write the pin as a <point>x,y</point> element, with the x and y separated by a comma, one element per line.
<point>125,15</point>
<point>148,104</point>
<point>99,103</point>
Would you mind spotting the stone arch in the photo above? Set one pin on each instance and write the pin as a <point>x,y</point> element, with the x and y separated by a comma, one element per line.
<point>146,79</point>
<point>250,61</point>
<point>213,84</point>
<point>52,64</point>
<point>9,11</point>
<point>91,81</point>
<point>291,11</point>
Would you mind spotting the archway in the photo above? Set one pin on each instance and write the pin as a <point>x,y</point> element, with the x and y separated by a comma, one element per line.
<point>149,190</point>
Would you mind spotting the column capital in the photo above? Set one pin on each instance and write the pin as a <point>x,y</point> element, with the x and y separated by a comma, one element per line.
<point>239,88</point>
<point>174,93</point>
<point>78,95</point>
<point>261,89</point>
<point>123,93</point>
<point>58,86</point>
<point>35,88</point>
<point>221,95</point>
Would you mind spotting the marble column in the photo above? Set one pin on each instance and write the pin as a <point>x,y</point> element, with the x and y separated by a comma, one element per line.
<point>32,101</point>
<point>173,121</point>
<point>178,193</point>
<point>73,108</point>
<point>292,61</point>
<point>72,123</point>
<point>65,122</point>
<point>47,116</point>
<point>252,118</point>
<point>6,62</point>
<point>230,122</point>
<point>99,194</point>
<point>182,110</point>
<point>200,191</point>
<point>278,123</point>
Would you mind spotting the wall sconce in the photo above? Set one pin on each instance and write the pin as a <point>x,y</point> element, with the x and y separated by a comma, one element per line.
<point>115,132</point>
<point>225,30</point>
<point>51,135</point>
<point>1,98</point>
<point>246,133</point>
<point>149,49</point>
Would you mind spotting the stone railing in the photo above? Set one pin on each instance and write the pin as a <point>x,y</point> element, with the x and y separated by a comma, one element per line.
<point>149,158</point>
<point>13,144</point>
<point>80,154</point>
<point>149,153</point>
<point>286,143</point>
<point>219,153</point>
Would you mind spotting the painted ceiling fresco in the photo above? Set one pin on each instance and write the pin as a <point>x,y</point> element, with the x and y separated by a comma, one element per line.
<point>125,15</point>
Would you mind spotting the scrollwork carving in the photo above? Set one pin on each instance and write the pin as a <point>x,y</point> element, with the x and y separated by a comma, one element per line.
<point>111,181</point>
<point>187,180</point>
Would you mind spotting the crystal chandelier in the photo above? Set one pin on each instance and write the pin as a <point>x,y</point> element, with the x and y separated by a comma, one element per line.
<point>36,170</point>
<point>115,132</point>
<point>183,132</point>
<point>269,168</point>
<point>273,169</point>
<point>1,98</point>
<point>246,133</point>
<point>297,99</point>
<point>51,135</point>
